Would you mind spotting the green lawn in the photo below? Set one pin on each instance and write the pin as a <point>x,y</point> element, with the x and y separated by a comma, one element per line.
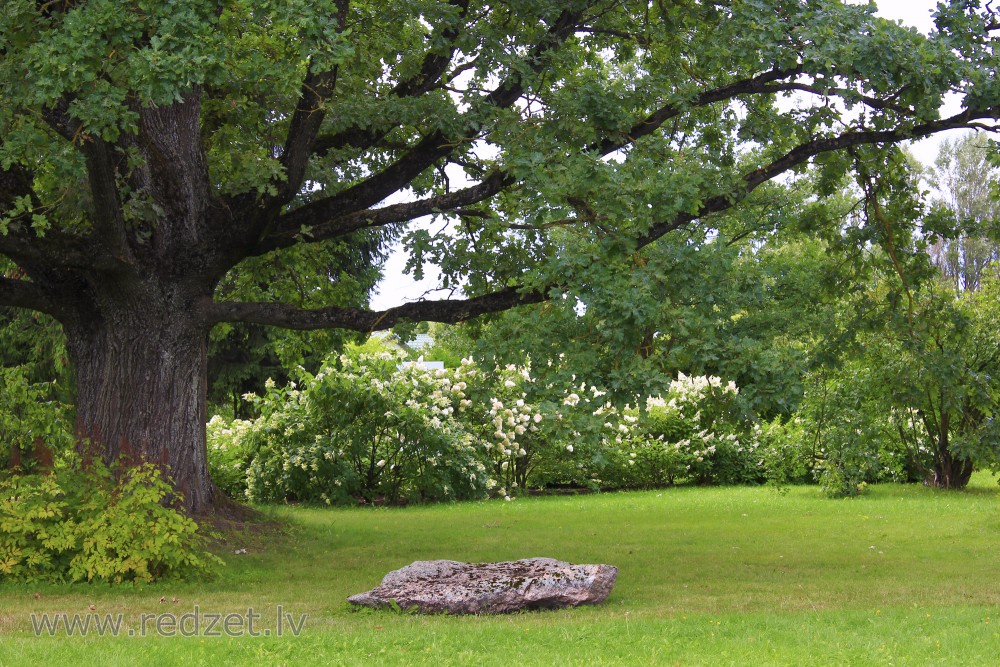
<point>904,575</point>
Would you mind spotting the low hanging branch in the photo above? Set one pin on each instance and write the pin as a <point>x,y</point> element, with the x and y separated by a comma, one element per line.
<point>23,294</point>
<point>806,151</point>
<point>447,311</point>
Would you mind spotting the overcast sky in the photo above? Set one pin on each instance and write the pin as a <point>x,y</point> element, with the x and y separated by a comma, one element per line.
<point>917,13</point>
<point>397,288</point>
<point>911,12</point>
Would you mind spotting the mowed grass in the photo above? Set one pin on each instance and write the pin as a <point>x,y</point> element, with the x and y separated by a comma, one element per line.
<point>713,576</point>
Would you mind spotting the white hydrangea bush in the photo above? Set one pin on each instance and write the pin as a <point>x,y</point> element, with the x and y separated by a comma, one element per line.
<point>366,427</point>
<point>523,428</point>
<point>698,431</point>
<point>372,427</point>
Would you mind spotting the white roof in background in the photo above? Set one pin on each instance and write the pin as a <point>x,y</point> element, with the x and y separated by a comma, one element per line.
<point>421,341</point>
<point>428,365</point>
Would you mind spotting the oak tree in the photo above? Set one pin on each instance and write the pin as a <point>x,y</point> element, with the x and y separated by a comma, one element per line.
<point>148,149</point>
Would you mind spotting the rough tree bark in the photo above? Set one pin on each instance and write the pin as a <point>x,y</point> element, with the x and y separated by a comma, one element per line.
<point>141,365</point>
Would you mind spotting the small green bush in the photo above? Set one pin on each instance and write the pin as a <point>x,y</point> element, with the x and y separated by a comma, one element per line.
<point>786,451</point>
<point>83,525</point>
<point>28,414</point>
<point>855,442</point>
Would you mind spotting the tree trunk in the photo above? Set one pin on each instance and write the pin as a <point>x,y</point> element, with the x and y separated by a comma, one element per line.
<point>950,472</point>
<point>141,365</point>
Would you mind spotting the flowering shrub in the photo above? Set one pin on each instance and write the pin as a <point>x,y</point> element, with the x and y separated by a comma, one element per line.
<point>638,458</point>
<point>532,434</point>
<point>229,455</point>
<point>702,420</point>
<point>369,426</point>
<point>364,427</point>
<point>506,423</point>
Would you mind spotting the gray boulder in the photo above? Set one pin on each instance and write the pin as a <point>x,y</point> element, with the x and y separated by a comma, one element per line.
<point>447,586</point>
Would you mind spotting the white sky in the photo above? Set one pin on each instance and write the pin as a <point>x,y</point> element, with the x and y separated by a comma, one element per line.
<point>397,287</point>
<point>917,13</point>
<point>911,12</point>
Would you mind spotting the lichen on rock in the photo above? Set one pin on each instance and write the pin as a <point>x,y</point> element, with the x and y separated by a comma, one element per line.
<point>446,586</point>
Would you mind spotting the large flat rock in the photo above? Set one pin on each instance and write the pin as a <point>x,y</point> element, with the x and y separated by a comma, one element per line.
<point>447,586</point>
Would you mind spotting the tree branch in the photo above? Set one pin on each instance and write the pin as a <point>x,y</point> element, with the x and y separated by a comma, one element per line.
<point>447,311</point>
<point>58,119</point>
<point>426,79</point>
<point>55,249</point>
<point>107,216</point>
<point>452,311</point>
<point>753,85</point>
<point>806,151</point>
<point>21,243</point>
<point>348,218</point>
<point>306,121</point>
<point>871,102</point>
<point>175,172</point>
<point>305,124</point>
<point>293,224</point>
<point>427,151</point>
<point>109,246</point>
<point>23,294</point>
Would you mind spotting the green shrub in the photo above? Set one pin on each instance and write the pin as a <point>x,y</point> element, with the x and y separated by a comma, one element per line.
<point>652,463</point>
<point>786,451</point>
<point>83,525</point>
<point>29,413</point>
<point>848,421</point>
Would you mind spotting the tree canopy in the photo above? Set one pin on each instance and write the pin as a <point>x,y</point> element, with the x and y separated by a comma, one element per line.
<point>150,149</point>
